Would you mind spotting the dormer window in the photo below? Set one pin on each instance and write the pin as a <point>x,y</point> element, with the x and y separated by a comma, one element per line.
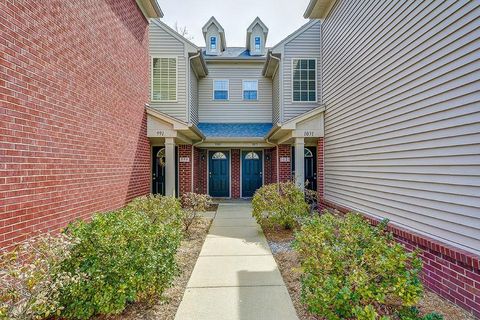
<point>213,43</point>
<point>258,43</point>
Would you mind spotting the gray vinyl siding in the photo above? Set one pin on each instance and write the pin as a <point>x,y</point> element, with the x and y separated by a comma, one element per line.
<point>402,89</point>
<point>164,44</point>
<point>305,45</point>
<point>276,97</point>
<point>235,109</point>
<point>193,99</point>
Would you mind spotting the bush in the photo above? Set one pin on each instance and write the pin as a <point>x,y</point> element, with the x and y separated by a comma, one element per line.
<point>193,203</point>
<point>279,204</point>
<point>353,270</point>
<point>31,278</point>
<point>126,255</point>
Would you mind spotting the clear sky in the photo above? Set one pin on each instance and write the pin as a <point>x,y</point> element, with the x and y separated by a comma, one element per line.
<point>282,17</point>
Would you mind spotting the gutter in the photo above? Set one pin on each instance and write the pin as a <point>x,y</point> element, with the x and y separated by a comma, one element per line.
<point>188,82</point>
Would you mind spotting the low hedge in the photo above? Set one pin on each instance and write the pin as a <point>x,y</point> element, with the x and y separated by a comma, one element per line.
<point>352,270</point>
<point>280,205</point>
<point>117,258</point>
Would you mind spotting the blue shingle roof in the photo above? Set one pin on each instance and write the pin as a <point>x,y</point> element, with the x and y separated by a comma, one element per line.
<point>251,130</point>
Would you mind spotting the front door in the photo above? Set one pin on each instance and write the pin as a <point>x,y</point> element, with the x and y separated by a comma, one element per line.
<point>219,174</point>
<point>251,172</point>
<point>310,157</point>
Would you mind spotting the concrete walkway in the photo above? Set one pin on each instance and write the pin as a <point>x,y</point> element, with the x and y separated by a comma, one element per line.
<point>236,276</point>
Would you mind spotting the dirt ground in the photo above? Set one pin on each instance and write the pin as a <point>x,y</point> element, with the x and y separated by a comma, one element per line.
<point>186,257</point>
<point>290,269</point>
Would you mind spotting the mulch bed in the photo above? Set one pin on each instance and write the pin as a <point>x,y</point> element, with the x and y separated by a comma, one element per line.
<point>289,266</point>
<point>186,258</point>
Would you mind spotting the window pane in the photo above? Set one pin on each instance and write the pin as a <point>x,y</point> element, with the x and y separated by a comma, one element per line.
<point>311,85</point>
<point>296,96</point>
<point>221,95</point>
<point>257,43</point>
<point>303,64</point>
<point>164,79</point>
<point>304,96</point>
<point>311,64</point>
<point>213,43</point>
<point>311,96</point>
<point>221,85</point>
<point>250,95</point>
<point>296,85</point>
<point>250,85</point>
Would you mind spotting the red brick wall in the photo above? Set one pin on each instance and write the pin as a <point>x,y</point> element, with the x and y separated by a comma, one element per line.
<point>449,271</point>
<point>284,168</point>
<point>184,168</point>
<point>200,171</point>
<point>320,171</point>
<point>235,154</point>
<point>270,174</point>
<point>73,85</point>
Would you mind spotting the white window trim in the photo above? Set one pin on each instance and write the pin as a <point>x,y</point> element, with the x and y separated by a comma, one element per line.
<point>213,90</point>
<point>151,78</point>
<point>316,79</point>
<point>243,90</point>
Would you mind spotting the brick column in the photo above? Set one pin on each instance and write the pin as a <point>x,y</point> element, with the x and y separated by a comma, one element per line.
<point>200,171</point>
<point>235,154</point>
<point>320,172</point>
<point>185,162</point>
<point>284,168</point>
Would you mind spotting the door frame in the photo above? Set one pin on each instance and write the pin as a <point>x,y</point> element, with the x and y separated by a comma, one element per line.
<point>229,171</point>
<point>241,168</point>
<point>292,162</point>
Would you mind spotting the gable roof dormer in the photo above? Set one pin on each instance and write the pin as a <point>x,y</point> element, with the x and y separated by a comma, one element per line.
<point>257,34</point>
<point>214,37</point>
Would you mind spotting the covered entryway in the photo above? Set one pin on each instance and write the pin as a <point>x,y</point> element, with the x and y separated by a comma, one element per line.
<point>219,174</point>
<point>158,170</point>
<point>251,172</point>
<point>310,167</point>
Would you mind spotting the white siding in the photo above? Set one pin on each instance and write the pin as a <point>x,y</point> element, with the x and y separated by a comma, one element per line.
<point>163,44</point>
<point>193,99</point>
<point>235,109</point>
<point>402,94</point>
<point>305,45</point>
<point>276,97</point>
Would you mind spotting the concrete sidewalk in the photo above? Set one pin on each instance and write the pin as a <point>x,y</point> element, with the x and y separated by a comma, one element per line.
<point>236,276</point>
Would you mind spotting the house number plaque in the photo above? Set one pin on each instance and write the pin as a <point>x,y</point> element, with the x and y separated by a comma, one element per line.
<point>184,159</point>
<point>284,159</point>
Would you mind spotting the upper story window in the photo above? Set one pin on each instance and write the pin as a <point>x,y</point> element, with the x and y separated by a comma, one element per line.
<point>220,89</point>
<point>305,80</point>
<point>258,43</point>
<point>213,43</point>
<point>250,89</point>
<point>164,79</point>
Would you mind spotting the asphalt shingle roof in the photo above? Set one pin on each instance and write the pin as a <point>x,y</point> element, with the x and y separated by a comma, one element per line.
<point>233,53</point>
<point>250,130</point>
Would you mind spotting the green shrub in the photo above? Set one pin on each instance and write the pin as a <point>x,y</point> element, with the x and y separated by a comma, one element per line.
<point>126,255</point>
<point>412,313</point>
<point>31,278</point>
<point>192,204</point>
<point>279,204</point>
<point>353,270</point>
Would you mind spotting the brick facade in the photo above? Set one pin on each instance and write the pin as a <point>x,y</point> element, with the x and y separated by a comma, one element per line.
<point>185,168</point>
<point>269,165</point>
<point>449,271</point>
<point>284,168</point>
<point>235,175</point>
<point>73,87</point>
<point>320,171</point>
<point>200,171</point>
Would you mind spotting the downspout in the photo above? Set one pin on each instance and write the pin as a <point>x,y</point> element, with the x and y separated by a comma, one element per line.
<point>279,111</point>
<point>188,111</point>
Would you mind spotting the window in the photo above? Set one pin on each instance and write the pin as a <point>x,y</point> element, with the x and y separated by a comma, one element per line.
<point>304,80</point>
<point>164,79</point>
<point>161,157</point>
<point>257,43</point>
<point>220,89</point>
<point>250,89</point>
<point>252,156</point>
<point>213,43</point>
<point>219,156</point>
<point>308,153</point>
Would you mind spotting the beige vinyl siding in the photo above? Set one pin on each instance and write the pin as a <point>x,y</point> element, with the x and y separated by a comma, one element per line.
<point>305,45</point>
<point>235,109</point>
<point>193,99</point>
<point>162,44</point>
<point>276,97</point>
<point>402,94</point>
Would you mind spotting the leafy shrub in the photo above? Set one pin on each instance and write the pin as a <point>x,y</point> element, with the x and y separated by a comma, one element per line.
<point>353,270</point>
<point>279,204</point>
<point>31,278</point>
<point>412,313</point>
<point>312,201</point>
<point>193,203</point>
<point>126,255</point>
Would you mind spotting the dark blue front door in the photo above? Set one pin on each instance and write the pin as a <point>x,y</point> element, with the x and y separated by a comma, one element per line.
<point>251,172</point>
<point>219,174</point>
